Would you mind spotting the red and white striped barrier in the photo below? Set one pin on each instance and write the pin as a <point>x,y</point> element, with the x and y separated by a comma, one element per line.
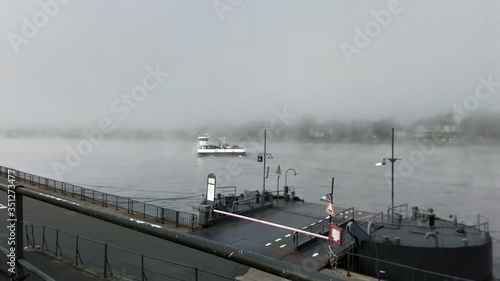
<point>273,224</point>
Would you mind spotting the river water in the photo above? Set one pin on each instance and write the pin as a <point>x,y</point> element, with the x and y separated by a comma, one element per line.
<point>451,179</point>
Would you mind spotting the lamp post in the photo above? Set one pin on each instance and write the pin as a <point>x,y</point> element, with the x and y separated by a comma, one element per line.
<point>278,173</point>
<point>286,173</point>
<point>392,159</point>
<point>262,158</point>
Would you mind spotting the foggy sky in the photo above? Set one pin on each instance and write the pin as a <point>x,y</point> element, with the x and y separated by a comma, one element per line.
<point>236,61</point>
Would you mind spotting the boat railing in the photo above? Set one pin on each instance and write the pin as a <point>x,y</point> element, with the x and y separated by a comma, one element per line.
<point>322,226</point>
<point>400,209</point>
<point>367,224</point>
<point>459,235</point>
<point>484,225</point>
<point>247,204</point>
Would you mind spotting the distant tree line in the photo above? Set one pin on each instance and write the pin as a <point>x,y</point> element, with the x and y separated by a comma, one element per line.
<point>476,128</point>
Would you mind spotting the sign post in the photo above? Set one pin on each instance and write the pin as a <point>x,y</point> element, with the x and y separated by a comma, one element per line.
<point>211,188</point>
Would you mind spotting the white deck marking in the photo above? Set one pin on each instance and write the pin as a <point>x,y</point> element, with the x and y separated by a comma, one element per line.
<point>268,244</point>
<point>282,246</point>
<point>279,239</point>
<point>315,254</point>
<point>288,235</point>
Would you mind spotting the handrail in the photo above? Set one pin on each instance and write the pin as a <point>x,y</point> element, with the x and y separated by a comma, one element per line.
<point>401,207</point>
<point>132,206</point>
<point>70,237</point>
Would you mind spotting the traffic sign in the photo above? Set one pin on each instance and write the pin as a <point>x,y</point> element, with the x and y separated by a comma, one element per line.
<point>335,234</point>
<point>329,209</point>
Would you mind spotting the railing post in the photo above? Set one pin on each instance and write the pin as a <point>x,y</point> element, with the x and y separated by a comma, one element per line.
<point>93,196</point>
<point>162,215</point>
<point>142,268</point>
<point>57,240</point>
<point>130,206</point>
<point>105,260</point>
<point>43,239</point>
<point>117,203</point>
<point>196,273</point>
<point>177,218</point>
<point>348,264</point>
<point>76,251</point>
<point>193,221</point>
<point>28,240</point>
<point>33,235</point>
<point>144,210</point>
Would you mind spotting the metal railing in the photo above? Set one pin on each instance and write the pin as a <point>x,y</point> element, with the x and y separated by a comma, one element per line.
<point>484,225</point>
<point>107,260</point>
<point>160,214</point>
<point>400,209</point>
<point>386,270</point>
<point>322,226</point>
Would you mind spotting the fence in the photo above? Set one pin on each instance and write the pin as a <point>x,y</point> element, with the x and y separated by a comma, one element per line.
<point>385,270</point>
<point>160,214</point>
<point>108,260</point>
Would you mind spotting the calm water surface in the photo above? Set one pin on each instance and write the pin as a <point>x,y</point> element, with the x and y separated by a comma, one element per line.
<point>453,180</point>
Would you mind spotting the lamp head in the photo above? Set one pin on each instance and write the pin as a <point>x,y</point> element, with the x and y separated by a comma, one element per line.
<point>381,163</point>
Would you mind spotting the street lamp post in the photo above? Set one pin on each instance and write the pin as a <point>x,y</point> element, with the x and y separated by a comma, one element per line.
<point>286,176</point>
<point>286,173</point>
<point>262,158</point>
<point>278,173</point>
<point>392,159</point>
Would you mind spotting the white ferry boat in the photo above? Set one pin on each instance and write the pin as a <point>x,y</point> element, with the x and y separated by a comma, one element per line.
<point>223,148</point>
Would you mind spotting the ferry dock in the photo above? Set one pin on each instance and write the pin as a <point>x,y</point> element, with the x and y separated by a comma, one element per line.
<point>281,235</point>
